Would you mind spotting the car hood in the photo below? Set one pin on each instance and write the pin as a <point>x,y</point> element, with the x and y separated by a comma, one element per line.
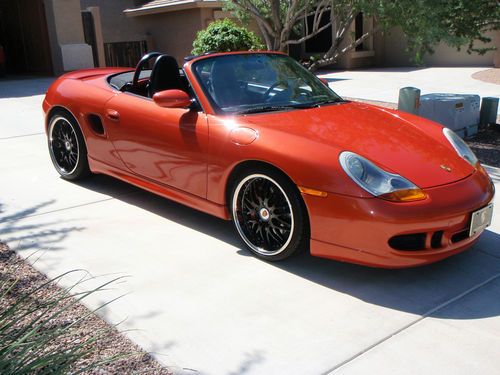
<point>399,143</point>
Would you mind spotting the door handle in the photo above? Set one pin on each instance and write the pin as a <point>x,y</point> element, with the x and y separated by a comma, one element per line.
<point>112,115</point>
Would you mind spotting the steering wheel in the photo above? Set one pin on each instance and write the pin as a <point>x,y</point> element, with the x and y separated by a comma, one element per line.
<point>142,63</point>
<point>289,85</point>
<point>271,88</point>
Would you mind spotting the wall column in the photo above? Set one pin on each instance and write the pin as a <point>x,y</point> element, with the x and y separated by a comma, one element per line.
<point>66,33</point>
<point>96,15</point>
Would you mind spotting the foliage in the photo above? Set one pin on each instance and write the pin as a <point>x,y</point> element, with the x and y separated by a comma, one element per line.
<point>224,36</point>
<point>425,22</point>
<point>34,339</point>
<point>457,23</point>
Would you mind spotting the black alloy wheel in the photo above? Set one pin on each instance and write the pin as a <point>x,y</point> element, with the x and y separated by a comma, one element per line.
<point>269,215</point>
<point>67,147</point>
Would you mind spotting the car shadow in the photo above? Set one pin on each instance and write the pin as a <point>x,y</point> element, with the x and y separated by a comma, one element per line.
<point>415,290</point>
<point>19,87</point>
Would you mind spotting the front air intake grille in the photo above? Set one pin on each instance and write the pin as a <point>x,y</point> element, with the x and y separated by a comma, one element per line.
<point>408,242</point>
<point>460,236</point>
<point>436,239</point>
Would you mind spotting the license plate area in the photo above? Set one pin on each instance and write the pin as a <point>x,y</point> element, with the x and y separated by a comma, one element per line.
<point>481,219</point>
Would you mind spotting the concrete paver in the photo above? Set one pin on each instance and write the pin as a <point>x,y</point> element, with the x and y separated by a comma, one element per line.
<point>383,84</point>
<point>21,101</point>
<point>465,346</point>
<point>29,161</point>
<point>197,299</point>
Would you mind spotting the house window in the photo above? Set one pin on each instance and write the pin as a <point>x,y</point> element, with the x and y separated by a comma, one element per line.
<point>360,27</point>
<point>323,40</point>
<point>359,30</point>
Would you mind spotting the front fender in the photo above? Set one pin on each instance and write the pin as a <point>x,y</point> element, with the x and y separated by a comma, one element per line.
<point>308,163</point>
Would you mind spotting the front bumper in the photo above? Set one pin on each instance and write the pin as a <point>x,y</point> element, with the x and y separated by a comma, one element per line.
<point>358,230</point>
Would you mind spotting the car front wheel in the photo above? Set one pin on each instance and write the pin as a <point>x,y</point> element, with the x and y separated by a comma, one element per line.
<point>269,215</point>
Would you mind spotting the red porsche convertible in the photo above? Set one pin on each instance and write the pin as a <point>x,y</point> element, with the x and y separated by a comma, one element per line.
<point>255,138</point>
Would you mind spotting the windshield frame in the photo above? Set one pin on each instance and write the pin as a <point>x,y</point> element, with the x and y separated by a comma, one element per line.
<point>333,99</point>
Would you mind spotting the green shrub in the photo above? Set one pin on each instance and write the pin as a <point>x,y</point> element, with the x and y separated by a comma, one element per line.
<point>224,36</point>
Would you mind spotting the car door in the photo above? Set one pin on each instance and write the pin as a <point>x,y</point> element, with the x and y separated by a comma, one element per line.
<point>165,145</point>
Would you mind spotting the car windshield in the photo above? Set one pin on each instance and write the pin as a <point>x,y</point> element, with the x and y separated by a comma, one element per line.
<point>260,82</point>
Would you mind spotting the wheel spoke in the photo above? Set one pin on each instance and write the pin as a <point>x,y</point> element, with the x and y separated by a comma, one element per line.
<point>248,203</point>
<point>277,237</point>
<point>268,237</point>
<point>283,224</point>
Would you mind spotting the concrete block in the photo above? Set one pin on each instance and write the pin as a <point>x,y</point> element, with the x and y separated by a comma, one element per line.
<point>77,56</point>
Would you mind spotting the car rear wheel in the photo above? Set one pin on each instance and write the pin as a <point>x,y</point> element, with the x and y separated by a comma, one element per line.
<point>269,214</point>
<point>67,147</point>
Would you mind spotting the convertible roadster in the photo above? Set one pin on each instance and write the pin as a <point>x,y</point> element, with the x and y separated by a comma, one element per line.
<point>255,138</point>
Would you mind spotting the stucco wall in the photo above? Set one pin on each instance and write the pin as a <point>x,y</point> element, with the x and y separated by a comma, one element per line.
<point>173,33</point>
<point>250,25</point>
<point>65,27</point>
<point>395,54</point>
<point>55,50</point>
<point>116,27</point>
<point>68,19</point>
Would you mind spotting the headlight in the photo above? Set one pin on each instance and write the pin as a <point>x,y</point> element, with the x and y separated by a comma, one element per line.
<point>460,146</point>
<point>378,182</point>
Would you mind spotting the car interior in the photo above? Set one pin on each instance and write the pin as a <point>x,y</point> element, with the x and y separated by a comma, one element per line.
<point>233,83</point>
<point>146,80</point>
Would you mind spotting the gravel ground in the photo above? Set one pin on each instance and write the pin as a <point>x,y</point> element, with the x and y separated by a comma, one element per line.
<point>485,144</point>
<point>488,75</point>
<point>111,344</point>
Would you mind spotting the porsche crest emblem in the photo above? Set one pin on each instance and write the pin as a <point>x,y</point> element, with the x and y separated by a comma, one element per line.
<point>445,167</point>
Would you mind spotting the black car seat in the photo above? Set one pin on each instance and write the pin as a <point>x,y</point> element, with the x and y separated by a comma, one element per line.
<point>226,88</point>
<point>164,76</point>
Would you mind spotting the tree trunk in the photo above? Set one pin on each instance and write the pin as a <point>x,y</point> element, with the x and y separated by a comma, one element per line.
<point>332,56</point>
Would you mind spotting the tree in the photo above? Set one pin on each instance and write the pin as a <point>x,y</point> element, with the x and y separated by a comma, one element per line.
<point>224,36</point>
<point>425,22</point>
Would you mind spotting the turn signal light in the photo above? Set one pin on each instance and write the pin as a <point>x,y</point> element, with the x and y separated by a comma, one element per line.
<point>405,195</point>
<point>316,193</point>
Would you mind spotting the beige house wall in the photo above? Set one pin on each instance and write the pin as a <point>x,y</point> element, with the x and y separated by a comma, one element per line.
<point>116,27</point>
<point>68,48</point>
<point>251,25</point>
<point>173,33</point>
<point>99,39</point>
<point>55,50</point>
<point>68,18</point>
<point>369,56</point>
<point>395,52</point>
<point>169,32</point>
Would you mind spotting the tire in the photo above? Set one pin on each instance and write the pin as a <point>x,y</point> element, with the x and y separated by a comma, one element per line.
<point>67,147</point>
<point>269,214</point>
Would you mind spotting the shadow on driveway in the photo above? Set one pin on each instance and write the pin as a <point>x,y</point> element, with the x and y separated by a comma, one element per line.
<point>19,87</point>
<point>32,236</point>
<point>416,290</point>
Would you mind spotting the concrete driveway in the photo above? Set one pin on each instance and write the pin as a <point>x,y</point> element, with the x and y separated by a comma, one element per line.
<point>202,304</point>
<point>383,84</point>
